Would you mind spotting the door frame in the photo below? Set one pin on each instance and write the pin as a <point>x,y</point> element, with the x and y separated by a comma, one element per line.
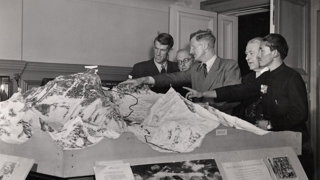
<point>315,81</point>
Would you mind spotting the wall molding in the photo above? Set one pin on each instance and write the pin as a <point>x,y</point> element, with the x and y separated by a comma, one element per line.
<point>220,6</point>
<point>33,72</point>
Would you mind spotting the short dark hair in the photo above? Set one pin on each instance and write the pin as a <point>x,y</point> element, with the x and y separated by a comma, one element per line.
<point>277,42</point>
<point>164,39</point>
<point>206,35</point>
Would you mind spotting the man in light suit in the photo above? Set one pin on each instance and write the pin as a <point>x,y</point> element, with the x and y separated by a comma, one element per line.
<point>162,44</point>
<point>207,73</point>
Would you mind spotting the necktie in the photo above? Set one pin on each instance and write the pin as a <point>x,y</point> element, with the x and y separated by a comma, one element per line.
<point>204,69</point>
<point>163,69</point>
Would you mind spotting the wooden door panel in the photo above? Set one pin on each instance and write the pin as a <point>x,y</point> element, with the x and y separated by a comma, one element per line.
<point>290,18</point>
<point>228,37</point>
<point>184,21</point>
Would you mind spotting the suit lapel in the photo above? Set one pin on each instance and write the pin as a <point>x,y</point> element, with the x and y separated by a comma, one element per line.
<point>169,67</point>
<point>212,75</point>
<point>153,68</point>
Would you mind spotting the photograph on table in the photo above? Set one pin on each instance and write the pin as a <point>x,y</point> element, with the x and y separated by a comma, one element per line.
<point>183,170</point>
<point>6,169</point>
<point>282,167</point>
<point>14,167</point>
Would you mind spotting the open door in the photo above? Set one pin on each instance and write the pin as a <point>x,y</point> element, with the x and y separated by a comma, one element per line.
<point>291,20</point>
<point>184,21</point>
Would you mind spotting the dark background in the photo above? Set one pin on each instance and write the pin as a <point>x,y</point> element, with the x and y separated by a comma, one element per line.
<point>250,26</point>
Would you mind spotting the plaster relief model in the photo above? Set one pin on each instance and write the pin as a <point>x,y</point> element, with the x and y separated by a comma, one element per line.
<point>78,112</point>
<point>73,109</point>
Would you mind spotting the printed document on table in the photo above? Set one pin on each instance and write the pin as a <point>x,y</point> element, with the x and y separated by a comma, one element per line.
<point>247,170</point>
<point>120,171</point>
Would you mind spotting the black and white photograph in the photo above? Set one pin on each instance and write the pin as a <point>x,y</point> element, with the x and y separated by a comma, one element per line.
<point>6,169</point>
<point>143,81</point>
<point>206,169</point>
<point>282,168</point>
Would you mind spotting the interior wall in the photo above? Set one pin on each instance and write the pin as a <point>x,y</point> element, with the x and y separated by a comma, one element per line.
<point>102,32</point>
<point>10,29</point>
<point>317,89</point>
<point>314,82</point>
<point>318,95</point>
<point>89,32</point>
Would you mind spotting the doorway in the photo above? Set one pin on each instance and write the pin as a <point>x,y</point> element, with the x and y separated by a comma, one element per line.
<point>250,26</point>
<point>316,134</point>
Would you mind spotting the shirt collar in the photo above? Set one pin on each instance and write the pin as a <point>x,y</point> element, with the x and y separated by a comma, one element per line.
<point>261,71</point>
<point>210,62</point>
<point>159,66</point>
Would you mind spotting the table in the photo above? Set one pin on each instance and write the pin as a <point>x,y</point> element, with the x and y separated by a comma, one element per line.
<point>52,160</point>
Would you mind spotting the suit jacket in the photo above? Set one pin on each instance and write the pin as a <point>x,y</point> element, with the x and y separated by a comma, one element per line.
<point>223,72</point>
<point>249,88</point>
<point>250,107</point>
<point>148,68</point>
<point>285,104</point>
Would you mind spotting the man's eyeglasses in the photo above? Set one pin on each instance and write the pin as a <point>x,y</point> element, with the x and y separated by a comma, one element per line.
<point>184,61</point>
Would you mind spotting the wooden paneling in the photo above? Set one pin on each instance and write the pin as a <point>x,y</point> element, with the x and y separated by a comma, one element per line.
<point>228,37</point>
<point>315,82</point>
<point>184,21</point>
<point>291,21</point>
<point>220,6</point>
<point>33,72</point>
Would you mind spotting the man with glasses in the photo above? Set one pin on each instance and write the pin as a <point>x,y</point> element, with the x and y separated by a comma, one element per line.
<point>162,44</point>
<point>207,73</point>
<point>184,59</point>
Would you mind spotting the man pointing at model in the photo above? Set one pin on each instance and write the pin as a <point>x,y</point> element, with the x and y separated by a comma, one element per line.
<point>207,73</point>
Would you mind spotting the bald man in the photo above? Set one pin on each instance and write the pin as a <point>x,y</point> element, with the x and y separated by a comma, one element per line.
<point>250,108</point>
<point>184,59</point>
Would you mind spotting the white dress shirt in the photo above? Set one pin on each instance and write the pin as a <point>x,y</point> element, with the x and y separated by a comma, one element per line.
<point>210,62</point>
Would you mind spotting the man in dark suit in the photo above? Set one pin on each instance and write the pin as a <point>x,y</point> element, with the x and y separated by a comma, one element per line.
<point>207,73</point>
<point>162,44</point>
<point>284,95</point>
<point>250,108</point>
